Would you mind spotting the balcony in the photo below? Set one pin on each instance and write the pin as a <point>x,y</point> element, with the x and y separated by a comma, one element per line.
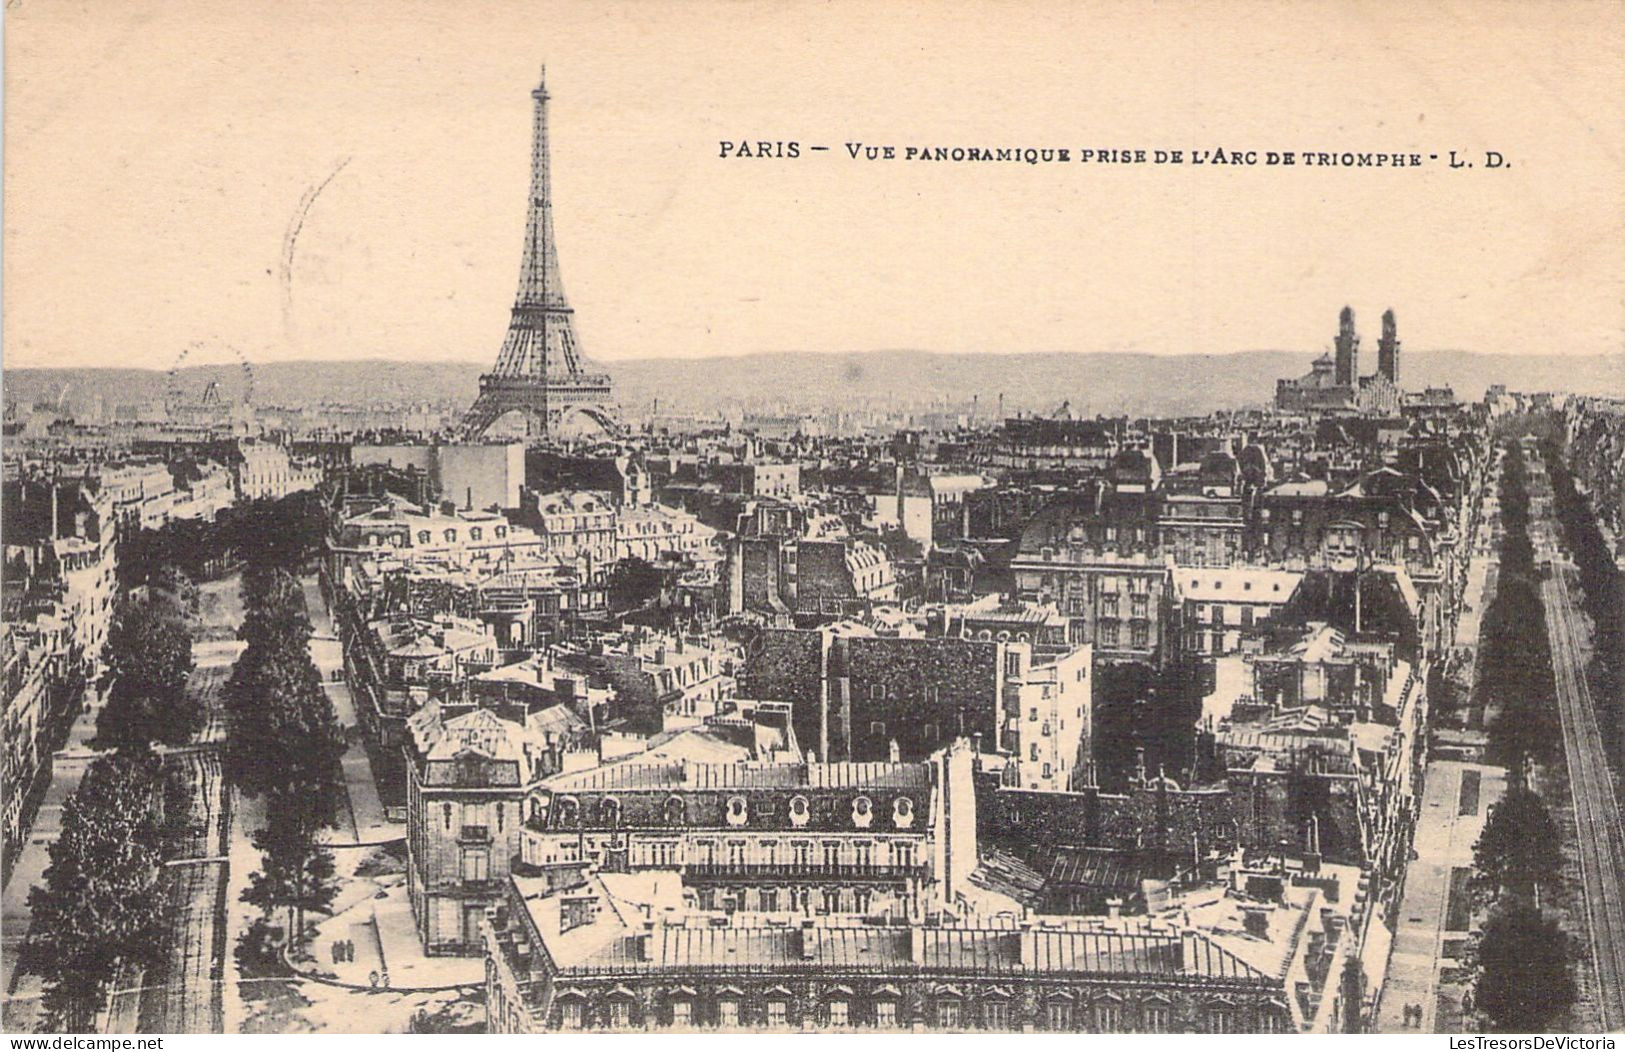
<point>802,871</point>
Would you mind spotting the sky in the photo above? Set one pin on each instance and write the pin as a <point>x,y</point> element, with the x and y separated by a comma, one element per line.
<point>300,180</point>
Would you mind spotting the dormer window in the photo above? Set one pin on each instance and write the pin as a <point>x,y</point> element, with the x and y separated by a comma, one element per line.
<point>423,536</point>
<point>450,536</point>
<point>475,533</point>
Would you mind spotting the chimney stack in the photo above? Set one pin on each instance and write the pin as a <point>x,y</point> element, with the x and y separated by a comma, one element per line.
<point>1256,920</point>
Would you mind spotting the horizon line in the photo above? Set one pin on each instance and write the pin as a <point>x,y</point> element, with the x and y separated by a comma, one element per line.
<point>611,362</point>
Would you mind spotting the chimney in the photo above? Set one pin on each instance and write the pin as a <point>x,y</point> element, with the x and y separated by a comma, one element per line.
<point>1256,920</point>
<point>894,754</point>
<point>976,742</point>
<point>1114,907</point>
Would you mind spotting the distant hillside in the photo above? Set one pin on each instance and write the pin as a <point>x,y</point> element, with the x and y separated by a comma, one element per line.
<point>1135,384</point>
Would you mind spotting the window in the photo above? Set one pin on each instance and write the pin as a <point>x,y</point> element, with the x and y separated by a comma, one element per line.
<point>450,536</point>
<point>996,1015</point>
<point>1058,1015</point>
<point>1141,634</point>
<point>777,1014</point>
<point>1220,1021</point>
<point>876,692</point>
<point>445,812</point>
<point>423,536</point>
<point>886,1014</point>
<point>728,1013</point>
<point>570,1015</point>
<point>948,1015</point>
<point>1141,605</point>
<point>476,863</point>
<point>837,1013</point>
<point>1108,634</point>
<point>832,900</point>
<point>1156,1019</point>
<point>770,900</point>
<point>1047,770</point>
<point>475,534</point>
<point>1032,752</point>
<point>682,1013</point>
<point>1108,1018</point>
<point>1032,715</point>
<point>1012,663</point>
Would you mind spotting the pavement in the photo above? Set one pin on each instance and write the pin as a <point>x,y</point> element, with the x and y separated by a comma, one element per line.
<point>364,821</point>
<point>21,1007</point>
<point>20,1013</point>
<point>1444,842</point>
<point>375,914</point>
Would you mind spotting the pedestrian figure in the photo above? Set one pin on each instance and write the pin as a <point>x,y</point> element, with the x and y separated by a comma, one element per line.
<point>384,981</point>
<point>372,977</point>
<point>333,950</point>
<point>349,948</point>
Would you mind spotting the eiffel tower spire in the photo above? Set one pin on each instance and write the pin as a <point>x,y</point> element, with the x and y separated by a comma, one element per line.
<point>540,371</point>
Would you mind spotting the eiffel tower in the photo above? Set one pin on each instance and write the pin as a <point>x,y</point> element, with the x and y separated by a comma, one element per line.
<point>540,371</point>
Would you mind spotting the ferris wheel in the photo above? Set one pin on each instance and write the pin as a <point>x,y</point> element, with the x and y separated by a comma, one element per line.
<point>199,353</point>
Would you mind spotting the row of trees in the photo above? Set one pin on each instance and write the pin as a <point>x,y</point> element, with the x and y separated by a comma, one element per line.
<point>1515,666</point>
<point>102,902</point>
<point>149,662</point>
<point>285,745</point>
<point>282,532</point>
<point>1603,595</point>
<point>1523,955</point>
